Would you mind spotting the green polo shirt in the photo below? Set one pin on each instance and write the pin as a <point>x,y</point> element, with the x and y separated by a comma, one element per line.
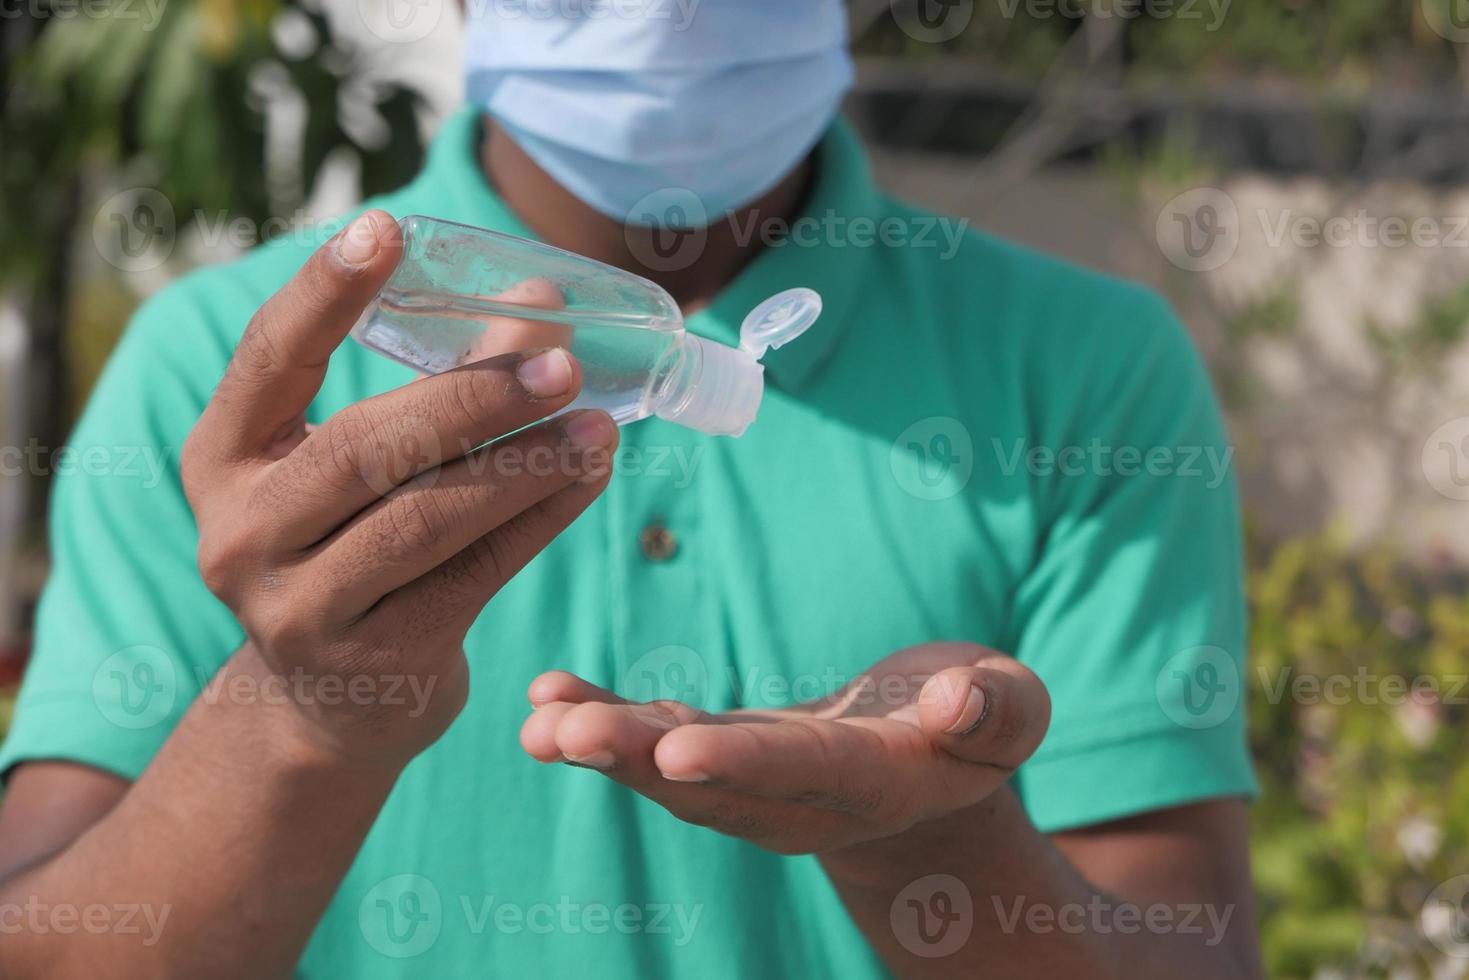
<point>975,442</point>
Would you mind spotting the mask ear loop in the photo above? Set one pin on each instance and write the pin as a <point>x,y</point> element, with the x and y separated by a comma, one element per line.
<point>779,320</point>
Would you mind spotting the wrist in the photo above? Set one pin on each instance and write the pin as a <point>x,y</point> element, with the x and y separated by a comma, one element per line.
<point>928,846</point>
<point>293,736</point>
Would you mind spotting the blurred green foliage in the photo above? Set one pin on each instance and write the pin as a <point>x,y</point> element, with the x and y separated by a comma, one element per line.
<point>1183,41</point>
<point>172,101</point>
<point>1359,684</point>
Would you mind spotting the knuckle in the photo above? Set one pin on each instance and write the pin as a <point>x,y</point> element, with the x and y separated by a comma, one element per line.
<point>220,558</point>
<point>487,561</point>
<point>476,397</point>
<point>418,519</point>
<point>345,440</point>
<point>511,544</point>
<point>287,626</point>
<point>256,356</point>
<point>490,561</point>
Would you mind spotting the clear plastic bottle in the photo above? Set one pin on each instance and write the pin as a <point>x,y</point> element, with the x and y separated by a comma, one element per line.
<point>461,294</point>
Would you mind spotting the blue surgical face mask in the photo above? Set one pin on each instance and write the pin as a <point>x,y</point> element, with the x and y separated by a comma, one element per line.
<point>621,99</point>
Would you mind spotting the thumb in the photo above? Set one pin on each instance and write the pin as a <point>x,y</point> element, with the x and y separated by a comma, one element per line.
<point>994,712</point>
<point>280,361</point>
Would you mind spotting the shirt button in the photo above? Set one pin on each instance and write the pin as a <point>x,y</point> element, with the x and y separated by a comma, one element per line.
<point>657,542</point>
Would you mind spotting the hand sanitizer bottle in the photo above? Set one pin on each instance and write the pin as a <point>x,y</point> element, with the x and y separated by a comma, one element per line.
<point>462,294</point>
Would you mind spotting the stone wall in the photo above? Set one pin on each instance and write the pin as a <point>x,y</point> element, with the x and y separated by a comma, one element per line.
<point>1333,321</point>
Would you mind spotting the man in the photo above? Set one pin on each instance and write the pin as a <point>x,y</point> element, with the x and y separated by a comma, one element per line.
<point>944,653</point>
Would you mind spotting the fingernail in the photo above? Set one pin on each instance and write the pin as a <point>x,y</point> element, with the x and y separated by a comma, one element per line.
<point>591,430</point>
<point>972,714</point>
<point>688,777</point>
<point>547,374</point>
<point>359,242</point>
<point>597,760</point>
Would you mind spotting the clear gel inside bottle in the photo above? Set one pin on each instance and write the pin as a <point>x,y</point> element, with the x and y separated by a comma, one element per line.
<point>462,294</point>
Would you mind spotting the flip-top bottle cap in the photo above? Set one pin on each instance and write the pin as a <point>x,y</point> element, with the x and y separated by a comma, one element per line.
<point>779,320</point>
<point>725,395</point>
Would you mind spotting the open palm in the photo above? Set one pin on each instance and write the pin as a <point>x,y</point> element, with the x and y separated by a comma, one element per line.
<point>926,731</point>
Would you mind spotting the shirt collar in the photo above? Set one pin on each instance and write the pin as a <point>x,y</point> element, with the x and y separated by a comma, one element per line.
<point>843,193</point>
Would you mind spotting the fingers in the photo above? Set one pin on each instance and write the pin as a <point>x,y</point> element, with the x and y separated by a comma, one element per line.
<point>559,685</point>
<point>441,512</point>
<point>864,770</point>
<point>658,747</point>
<point>994,713</point>
<point>279,364</point>
<point>619,738</point>
<point>538,733</point>
<point>370,449</point>
<point>451,596</point>
<point>503,334</point>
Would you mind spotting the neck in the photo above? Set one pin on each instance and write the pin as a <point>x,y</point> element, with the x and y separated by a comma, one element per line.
<point>563,220</point>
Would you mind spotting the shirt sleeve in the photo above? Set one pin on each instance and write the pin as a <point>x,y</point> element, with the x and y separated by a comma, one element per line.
<point>126,633</point>
<point>1133,611</point>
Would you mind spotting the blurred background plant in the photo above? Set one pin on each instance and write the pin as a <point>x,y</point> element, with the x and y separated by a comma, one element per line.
<point>1359,683</point>
<point>223,111</point>
<point>1059,122</point>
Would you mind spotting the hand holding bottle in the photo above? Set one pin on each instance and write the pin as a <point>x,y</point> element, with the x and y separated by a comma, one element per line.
<point>367,546</point>
<point>462,293</point>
